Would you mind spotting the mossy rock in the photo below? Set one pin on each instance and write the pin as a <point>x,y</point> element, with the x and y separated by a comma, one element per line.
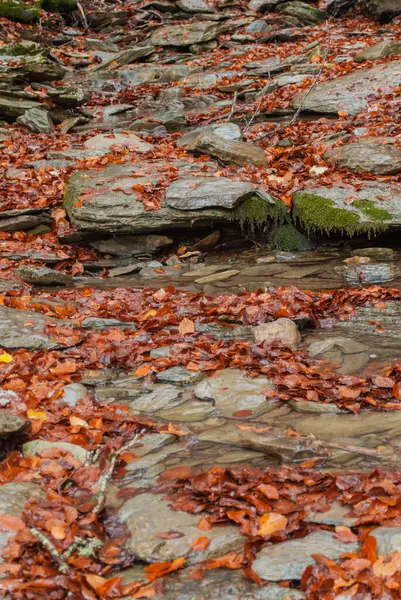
<point>59,6</point>
<point>348,211</point>
<point>20,11</point>
<point>24,48</point>
<point>287,238</point>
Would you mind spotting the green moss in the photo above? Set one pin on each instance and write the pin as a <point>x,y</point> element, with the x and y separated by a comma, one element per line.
<point>59,6</point>
<point>321,214</point>
<point>368,208</point>
<point>287,238</point>
<point>40,230</point>
<point>255,212</point>
<point>20,11</point>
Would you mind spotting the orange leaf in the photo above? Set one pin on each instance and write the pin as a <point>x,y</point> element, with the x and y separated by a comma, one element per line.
<point>77,422</point>
<point>157,570</point>
<point>204,524</point>
<point>387,564</point>
<point>271,522</point>
<point>11,523</point>
<point>200,544</point>
<point>186,326</point>
<point>142,371</point>
<point>58,532</point>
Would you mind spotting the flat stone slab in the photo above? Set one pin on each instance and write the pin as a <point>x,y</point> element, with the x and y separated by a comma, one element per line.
<point>186,35</point>
<point>232,391</point>
<point>327,427</point>
<point>148,516</point>
<point>288,560</point>
<point>374,156</point>
<point>335,516</point>
<point>37,446</point>
<point>388,539</point>
<point>353,92</point>
<point>197,193</point>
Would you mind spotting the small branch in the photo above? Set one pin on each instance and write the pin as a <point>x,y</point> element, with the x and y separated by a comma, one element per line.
<point>83,15</point>
<point>233,106</point>
<point>46,543</point>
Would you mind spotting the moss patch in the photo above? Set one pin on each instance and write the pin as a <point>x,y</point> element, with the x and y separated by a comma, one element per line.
<point>321,214</point>
<point>255,213</point>
<point>20,11</point>
<point>287,238</point>
<point>59,6</point>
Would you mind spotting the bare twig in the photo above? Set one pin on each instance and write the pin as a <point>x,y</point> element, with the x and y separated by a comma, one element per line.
<point>83,15</point>
<point>233,106</point>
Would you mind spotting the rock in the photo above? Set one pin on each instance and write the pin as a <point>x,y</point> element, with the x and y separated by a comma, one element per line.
<point>43,276</point>
<point>381,10</point>
<point>314,407</point>
<point>160,397</point>
<point>283,330</point>
<point>203,271</point>
<point>13,497</point>
<point>380,50</point>
<point>38,68</point>
<point>125,57</point>
<point>370,156</point>
<point>194,6</point>
<point>103,142</point>
<point>198,193</point>
<point>148,515</point>
<point>69,96</point>
<point>24,222</point>
<point>388,539</point>
<point>262,5</point>
<point>17,10</point>
<point>132,245</point>
<point>12,107</point>
<point>207,243</point>
<point>115,207</point>
<point>348,355</point>
<point>27,329</point>
<point>328,427</point>
<point>98,323</point>
<point>73,392</point>
<point>228,131</point>
<point>223,276</point>
<point>37,120</point>
<point>186,35</point>
<point>237,153</point>
<point>378,254</point>
<point>306,14</point>
<point>10,423</point>
<point>179,375</point>
<point>233,392</point>
<point>217,584</point>
<point>37,446</point>
<point>351,93</point>
<point>288,560</point>
<point>336,515</point>
<point>375,207</point>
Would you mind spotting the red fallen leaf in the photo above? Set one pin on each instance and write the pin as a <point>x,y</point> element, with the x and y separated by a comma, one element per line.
<point>271,522</point>
<point>344,534</point>
<point>204,524</point>
<point>383,382</point>
<point>95,581</point>
<point>142,371</point>
<point>179,472</point>
<point>397,391</point>
<point>157,570</point>
<point>186,326</point>
<point>369,548</point>
<point>64,368</point>
<point>200,544</point>
<point>243,413</point>
<point>232,560</point>
<point>170,535</point>
<point>11,523</point>
<point>387,564</point>
<point>349,393</point>
<point>269,491</point>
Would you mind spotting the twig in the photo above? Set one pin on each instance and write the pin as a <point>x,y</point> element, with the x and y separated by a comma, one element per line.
<point>83,15</point>
<point>62,565</point>
<point>233,106</point>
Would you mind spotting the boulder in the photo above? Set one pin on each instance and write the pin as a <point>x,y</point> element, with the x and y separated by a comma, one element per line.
<point>37,120</point>
<point>69,96</point>
<point>237,153</point>
<point>104,200</point>
<point>187,34</point>
<point>305,13</point>
<point>38,68</point>
<point>368,207</point>
<point>194,6</point>
<point>282,330</point>
<point>380,50</point>
<point>351,93</point>
<point>148,516</point>
<point>43,276</point>
<point>288,560</point>
<point>381,10</point>
<point>373,155</point>
<point>17,10</point>
<point>12,107</point>
<point>10,424</point>
<point>228,131</point>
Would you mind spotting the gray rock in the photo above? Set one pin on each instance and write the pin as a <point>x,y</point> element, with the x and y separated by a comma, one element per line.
<point>103,142</point>
<point>222,276</point>
<point>98,323</point>
<point>197,193</point>
<point>305,406</point>
<point>179,375</point>
<point>43,276</point>
<point>306,14</point>
<point>352,92</point>
<point>379,50</point>
<point>237,153</point>
<point>24,222</point>
<point>37,446</point>
<point>288,560</point>
<point>263,5</point>
<point>381,10</point>
<point>159,398</point>
<point>327,427</point>
<point>335,516</point>
<point>10,423</point>
<point>186,35</point>
<point>73,392</point>
<point>37,120</point>
<point>228,131</point>
<point>283,330</point>
<point>27,329</point>
<point>375,206</point>
<point>69,96</point>
<point>125,57</point>
<point>12,106</point>
<point>148,515</point>
<point>370,156</point>
<point>232,391</point>
<point>132,245</point>
<point>388,539</point>
<point>38,68</point>
<point>194,6</point>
